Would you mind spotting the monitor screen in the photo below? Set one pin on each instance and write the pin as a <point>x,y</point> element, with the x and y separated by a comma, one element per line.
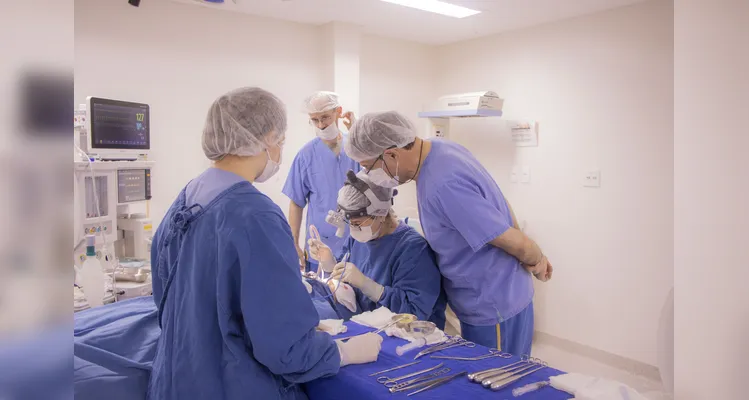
<point>119,125</point>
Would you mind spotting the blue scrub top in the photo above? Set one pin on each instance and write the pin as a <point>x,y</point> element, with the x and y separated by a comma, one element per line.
<point>236,319</point>
<point>462,209</point>
<point>405,266</point>
<point>314,180</point>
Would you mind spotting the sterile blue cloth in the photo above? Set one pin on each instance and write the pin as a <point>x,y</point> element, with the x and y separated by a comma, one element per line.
<point>405,266</point>
<point>236,319</point>
<point>354,382</point>
<point>461,210</point>
<point>114,346</point>
<point>515,334</point>
<point>314,180</point>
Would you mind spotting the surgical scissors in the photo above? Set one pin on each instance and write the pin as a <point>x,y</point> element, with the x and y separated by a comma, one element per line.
<point>387,381</point>
<point>454,341</point>
<point>492,353</point>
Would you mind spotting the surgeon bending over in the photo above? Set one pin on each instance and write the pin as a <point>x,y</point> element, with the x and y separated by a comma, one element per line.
<point>486,260</point>
<point>236,319</point>
<point>390,264</point>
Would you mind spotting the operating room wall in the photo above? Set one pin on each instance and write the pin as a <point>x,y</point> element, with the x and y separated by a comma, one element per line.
<point>601,88</point>
<point>398,75</point>
<point>180,57</point>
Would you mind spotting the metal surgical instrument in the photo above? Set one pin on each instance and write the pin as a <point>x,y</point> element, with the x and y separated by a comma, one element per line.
<point>481,375</point>
<point>507,381</point>
<point>492,353</point>
<point>387,381</point>
<point>504,375</point>
<point>417,382</point>
<point>448,344</point>
<point>395,368</point>
<point>438,382</point>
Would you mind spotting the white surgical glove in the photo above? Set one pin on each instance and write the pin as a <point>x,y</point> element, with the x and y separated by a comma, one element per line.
<point>319,251</point>
<point>360,349</point>
<point>349,273</point>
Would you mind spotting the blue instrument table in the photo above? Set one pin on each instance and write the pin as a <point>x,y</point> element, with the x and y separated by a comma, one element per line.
<point>354,382</point>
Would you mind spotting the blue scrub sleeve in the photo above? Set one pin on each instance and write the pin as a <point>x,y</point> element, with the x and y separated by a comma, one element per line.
<point>416,284</point>
<point>279,315</point>
<point>297,186</point>
<point>476,219</point>
<point>156,281</point>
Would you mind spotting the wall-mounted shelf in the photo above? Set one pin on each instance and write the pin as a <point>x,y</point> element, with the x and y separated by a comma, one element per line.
<point>460,113</point>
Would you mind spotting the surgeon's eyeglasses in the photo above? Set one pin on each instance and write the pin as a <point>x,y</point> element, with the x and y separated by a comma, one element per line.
<point>323,120</point>
<point>359,224</point>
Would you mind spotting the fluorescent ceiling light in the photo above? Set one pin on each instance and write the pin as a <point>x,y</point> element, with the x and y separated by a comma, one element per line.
<point>435,6</point>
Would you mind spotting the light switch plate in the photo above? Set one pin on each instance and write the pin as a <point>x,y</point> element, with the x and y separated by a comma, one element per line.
<point>592,179</point>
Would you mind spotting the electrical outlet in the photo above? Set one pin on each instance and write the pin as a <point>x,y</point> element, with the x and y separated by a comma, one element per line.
<point>515,174</point>
<point>592,179</point>
<point>525,174</point>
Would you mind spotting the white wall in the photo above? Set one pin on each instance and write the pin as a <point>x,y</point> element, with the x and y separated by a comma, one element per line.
<point>179,58</point>
<point>711,198</point>
<point>602,88</point>
<point>397,75</point>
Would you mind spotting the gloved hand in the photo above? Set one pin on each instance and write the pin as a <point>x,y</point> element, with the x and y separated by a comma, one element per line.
<point>360,349</point>
<point>349,273</point>
<point>319,251</point>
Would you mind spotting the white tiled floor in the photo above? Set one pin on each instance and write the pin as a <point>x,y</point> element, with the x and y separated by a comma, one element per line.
<point>571,362</point>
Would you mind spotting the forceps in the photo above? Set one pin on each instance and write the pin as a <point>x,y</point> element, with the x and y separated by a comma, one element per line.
<point>414,383</point>
<point>388,381</point>
<point>455,341</point>
<point>438,382</point>
<point>492,353</point>
<point>395,368</point>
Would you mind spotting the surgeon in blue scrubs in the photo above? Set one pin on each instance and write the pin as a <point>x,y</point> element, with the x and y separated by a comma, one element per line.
<point>317,172</point>
<point>236,320</point>
<point>487,262</point>
<point>389,263</point>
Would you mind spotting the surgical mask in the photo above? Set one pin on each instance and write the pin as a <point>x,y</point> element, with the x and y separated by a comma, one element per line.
<point>364,234</point>
<point>271,167</point>
<point>380,178</point>
<point>331,132</point>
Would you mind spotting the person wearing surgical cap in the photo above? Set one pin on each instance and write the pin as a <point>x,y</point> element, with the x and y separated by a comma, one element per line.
<point>318,171</point>
<point>216,250</point>
<point>485,259</point>
<point>390,264</point>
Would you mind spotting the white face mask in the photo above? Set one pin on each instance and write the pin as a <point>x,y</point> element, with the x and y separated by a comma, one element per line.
<point>331,132</point>
<point>380,178</point>
<point>364,234</point>
<point>271,167</point>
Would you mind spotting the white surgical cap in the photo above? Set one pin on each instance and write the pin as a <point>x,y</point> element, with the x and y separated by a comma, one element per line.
<point>320,102</point>
<point>374,133</point>
<point>243,122</point>
<point>349,198</point>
